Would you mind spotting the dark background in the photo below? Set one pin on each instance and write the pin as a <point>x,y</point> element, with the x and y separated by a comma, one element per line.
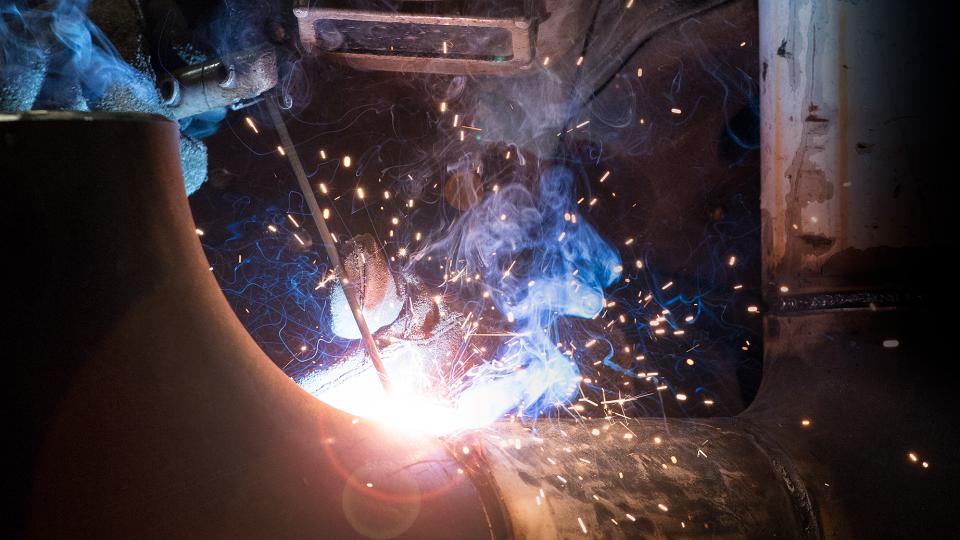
<point>685,187</point>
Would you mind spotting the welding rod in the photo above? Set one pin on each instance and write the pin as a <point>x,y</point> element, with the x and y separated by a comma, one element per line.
<point>348,284</point>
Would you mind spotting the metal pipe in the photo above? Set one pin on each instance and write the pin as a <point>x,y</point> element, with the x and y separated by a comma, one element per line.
<point>641,477</point>
<point>851,391</point>
<point>143,406</point>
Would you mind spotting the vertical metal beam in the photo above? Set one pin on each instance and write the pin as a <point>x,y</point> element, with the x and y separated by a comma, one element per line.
<point>838,197</point>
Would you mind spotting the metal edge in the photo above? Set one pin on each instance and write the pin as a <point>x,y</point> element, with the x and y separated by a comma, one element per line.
<point>780,462</point>
<point>81,116</point>
<point>855,300</point>
<point>521,34</point>
<point>476,468</point>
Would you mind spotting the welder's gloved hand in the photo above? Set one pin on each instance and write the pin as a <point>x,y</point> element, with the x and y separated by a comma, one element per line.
<point>52,57</point>
<point>394,306</point>
<point>417,337</point>
<point>378,293</point>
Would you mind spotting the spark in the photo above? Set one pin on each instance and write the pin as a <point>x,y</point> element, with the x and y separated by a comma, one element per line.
<point>250,123</point>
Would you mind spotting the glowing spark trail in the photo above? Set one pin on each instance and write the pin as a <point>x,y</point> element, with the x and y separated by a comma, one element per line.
<point>328,241</point>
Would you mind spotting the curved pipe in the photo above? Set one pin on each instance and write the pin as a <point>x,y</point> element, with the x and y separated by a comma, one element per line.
<point>145,408</point>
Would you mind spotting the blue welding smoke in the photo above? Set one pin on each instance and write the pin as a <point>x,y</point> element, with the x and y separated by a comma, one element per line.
<point>55,57</point>
<point>540,261</point>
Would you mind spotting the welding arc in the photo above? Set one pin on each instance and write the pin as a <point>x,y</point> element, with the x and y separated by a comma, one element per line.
<point>349,285</point>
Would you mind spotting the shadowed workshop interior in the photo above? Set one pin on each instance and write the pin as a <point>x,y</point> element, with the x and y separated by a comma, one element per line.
<point>478,268</point>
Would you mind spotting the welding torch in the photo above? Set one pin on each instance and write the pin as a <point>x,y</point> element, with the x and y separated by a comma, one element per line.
<point>349,285</point>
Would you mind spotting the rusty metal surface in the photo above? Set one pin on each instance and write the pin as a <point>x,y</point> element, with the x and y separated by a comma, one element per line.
<point>550,31</point>
<point>845,205</point>
<point>333,31</point>
<point>854,390</point>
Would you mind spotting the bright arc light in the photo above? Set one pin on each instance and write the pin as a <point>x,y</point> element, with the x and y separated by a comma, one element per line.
<point>421,399</point>
<point>412,404</point>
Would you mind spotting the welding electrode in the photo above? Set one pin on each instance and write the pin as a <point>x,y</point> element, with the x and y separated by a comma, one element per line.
<point>349,285</point>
